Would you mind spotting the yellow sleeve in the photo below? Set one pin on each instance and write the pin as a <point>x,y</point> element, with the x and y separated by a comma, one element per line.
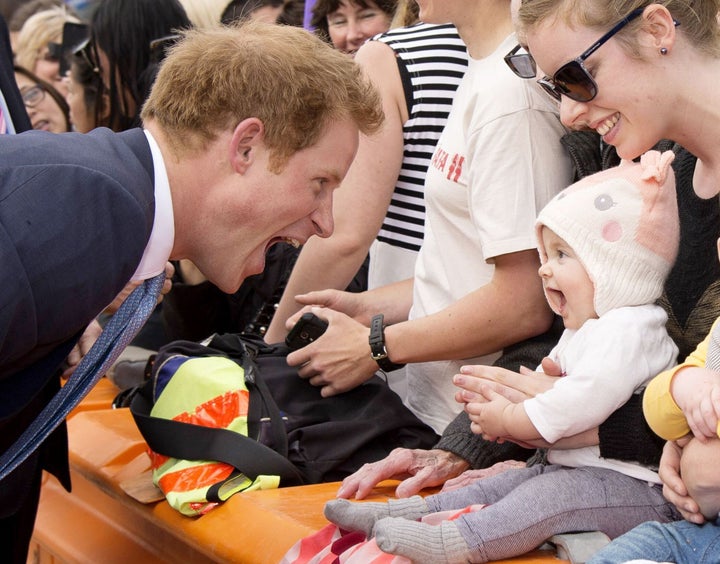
<point>663,415</point>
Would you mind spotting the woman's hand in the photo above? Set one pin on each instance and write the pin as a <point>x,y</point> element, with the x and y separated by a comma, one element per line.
<point>674,488</point>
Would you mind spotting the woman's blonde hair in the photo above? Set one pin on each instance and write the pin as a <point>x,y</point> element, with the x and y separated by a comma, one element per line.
<point>291,80</point>
<point>38,30</point>
<point>698,18</point>
<point>204,13</point>
<point>407,13</point>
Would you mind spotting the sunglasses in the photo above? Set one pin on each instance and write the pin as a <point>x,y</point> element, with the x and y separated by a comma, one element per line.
<point>86,51</point>
<point>572,79</point>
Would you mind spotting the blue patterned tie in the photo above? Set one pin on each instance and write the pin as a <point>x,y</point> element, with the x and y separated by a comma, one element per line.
<point>119,331</point>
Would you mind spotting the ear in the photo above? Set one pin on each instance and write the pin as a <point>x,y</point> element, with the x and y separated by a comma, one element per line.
<point>659,24</point>
<point>247,138</point>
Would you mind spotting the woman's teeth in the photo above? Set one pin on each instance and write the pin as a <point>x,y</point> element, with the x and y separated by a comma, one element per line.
<point>607,125</point>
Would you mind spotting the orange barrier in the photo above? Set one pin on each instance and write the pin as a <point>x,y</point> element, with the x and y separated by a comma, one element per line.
<point>100,522</point>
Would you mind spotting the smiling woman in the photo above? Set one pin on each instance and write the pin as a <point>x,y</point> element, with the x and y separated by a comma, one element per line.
<point>347,24</point>
<point>46,107</point>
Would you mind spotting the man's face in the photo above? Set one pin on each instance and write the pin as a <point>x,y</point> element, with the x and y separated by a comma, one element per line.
<point>238,222</point>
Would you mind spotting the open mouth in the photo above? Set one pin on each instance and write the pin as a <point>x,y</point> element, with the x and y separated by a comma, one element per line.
<point>605,127</point>
<point>289,240</point>
<point>557,299</point>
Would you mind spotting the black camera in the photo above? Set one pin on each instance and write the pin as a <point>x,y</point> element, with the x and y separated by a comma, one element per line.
<point>308,328</point>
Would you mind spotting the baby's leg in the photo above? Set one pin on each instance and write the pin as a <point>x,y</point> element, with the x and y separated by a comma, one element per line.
<point>361,516</point>
<point>557,501</point>
<point>487,490</point>
<point>566,500</point>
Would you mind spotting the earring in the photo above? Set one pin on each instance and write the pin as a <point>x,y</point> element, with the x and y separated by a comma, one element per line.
<point>663,51</point>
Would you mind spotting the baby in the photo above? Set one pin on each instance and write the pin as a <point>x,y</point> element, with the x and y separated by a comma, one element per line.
<point>606,246</point>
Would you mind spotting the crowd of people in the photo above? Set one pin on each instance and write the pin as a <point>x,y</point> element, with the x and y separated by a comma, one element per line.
<point>548,306</point>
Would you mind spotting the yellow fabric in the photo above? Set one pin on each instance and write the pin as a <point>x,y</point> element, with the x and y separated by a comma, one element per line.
<point>183,394</point>
<point>208,391</point>
<point>663,415</point>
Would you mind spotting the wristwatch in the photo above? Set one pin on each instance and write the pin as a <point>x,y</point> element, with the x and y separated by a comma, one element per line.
<point>378,352</point>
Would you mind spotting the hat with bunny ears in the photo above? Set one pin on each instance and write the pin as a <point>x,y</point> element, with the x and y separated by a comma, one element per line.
<point>623,225</point>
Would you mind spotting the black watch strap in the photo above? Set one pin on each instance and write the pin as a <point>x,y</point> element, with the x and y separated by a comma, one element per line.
<point>377,345</point>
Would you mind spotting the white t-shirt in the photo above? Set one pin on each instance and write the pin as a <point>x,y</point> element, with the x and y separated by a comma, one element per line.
<point>498,162</point>
<point>604,362</point>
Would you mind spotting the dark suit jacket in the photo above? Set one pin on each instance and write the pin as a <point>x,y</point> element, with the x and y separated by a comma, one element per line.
<point>8,86</point>
<point>76,212</point>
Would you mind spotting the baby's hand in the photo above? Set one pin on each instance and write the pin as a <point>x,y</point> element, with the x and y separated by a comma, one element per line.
<point>486,415</point>
<point>697,393</point>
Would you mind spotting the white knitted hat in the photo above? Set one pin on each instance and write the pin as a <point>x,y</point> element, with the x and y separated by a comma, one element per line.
<point>623,225</point>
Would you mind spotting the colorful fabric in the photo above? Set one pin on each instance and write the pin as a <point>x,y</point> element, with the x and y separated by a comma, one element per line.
<point>209,392</point>
<point>332,545</point>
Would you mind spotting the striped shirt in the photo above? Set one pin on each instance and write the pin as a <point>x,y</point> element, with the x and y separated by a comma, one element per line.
<point>432,60</point>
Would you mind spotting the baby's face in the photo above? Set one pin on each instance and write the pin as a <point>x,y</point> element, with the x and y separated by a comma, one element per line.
<point>698,469</point>
<point>568,288</point>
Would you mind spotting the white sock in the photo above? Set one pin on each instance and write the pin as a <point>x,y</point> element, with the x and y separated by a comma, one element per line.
<point>439,544</point>
<point>361,516</point>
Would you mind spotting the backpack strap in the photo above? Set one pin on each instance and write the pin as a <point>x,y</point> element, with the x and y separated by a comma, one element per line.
<point>194,442</point>
<point>234,347</point>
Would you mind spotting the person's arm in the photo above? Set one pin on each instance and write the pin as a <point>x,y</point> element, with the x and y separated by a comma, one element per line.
<point>362,200</point>
<point>684,399</point>
<point>509,309</point>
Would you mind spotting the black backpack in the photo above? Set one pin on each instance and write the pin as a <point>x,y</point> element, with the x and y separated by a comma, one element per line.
<point>293,432</point>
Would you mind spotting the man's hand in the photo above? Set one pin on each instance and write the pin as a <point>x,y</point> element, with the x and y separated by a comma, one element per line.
<point>416,467</point>
<point>674,488</point>
<point>339,360</point>
<point>130,286</point>
<point>87,340</point>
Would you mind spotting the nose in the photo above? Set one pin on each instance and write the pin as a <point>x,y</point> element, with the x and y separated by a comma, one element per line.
<point>322,219</point>
<point>544,270</point>
<point>355,33</point>
<point>571,112</point>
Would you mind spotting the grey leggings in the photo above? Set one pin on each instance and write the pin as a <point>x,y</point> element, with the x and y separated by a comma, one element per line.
<point>529,505</point>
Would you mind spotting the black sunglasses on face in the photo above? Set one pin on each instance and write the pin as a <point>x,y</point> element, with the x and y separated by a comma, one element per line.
<point>572,79</point>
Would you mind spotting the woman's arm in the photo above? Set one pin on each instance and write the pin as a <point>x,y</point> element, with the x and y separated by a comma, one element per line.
<point>362,200</point>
